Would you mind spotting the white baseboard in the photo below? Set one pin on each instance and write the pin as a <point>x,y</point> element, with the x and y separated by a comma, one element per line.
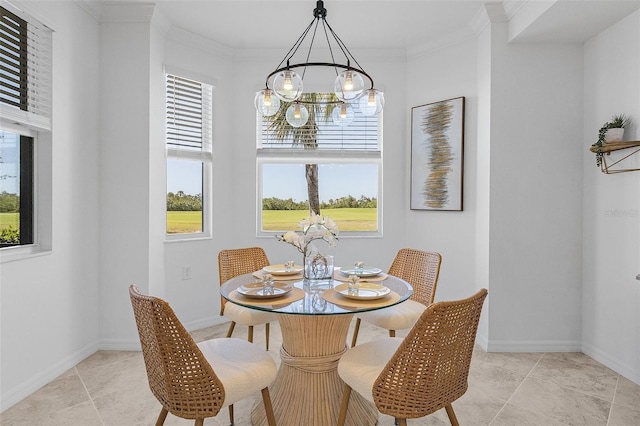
<point>533,346</point>
<point>10,397</point>
<point>119,345</point>
<point>206,322</point>
<point>630,372</point>
<point>134,344</point>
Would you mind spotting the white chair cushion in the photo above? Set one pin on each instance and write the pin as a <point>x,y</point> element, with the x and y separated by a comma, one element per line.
<point>242,367</point>
<point>247,316</point>
<point>361,365</point>
<point>397,317</point>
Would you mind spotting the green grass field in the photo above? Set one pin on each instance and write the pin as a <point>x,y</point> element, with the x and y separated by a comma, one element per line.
<point>346,219</point>
<point>282,220</point>
<point>184,222</point>
<point>9,219</point>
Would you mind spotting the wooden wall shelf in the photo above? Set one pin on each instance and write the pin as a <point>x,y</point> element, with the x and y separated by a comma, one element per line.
<point>608,147</point>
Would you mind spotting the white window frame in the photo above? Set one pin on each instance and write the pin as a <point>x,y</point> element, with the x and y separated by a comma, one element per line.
<point>205,157</point>
<point>35,123</point>
<point>321,156</point>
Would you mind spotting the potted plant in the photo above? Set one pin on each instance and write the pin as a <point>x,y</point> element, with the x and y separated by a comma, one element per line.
<point>611,131</point>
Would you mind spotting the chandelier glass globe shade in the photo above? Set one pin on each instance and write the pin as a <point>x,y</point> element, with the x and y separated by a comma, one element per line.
<point>267,103</point>
<point>348,85</point>
<point>297,115</point>
<point>371,102</point>
<point>287,85</point>
<point>343,114</point>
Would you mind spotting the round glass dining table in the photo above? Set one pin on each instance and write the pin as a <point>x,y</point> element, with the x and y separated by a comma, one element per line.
<point>314,318</point>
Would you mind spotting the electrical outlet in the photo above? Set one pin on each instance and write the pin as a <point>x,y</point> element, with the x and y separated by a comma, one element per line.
<point>186,272</point>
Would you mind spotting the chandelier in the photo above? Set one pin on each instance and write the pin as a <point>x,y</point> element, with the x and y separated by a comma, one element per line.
<point>286,82</point>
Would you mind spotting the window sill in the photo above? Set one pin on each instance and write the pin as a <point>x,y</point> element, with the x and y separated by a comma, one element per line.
<point>11,254</point>
<point>181,238</point>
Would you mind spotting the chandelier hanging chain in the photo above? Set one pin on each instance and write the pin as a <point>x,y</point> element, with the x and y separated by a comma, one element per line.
<point>345,51</point>
<point>293,49</point>
<point>349,89</point>
<point>319,14</point>
<point>313,38</point>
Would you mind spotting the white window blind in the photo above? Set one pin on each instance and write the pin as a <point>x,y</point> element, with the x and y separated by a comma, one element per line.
<point>189,115</point>
<point>360,135</point>
<point>25,69</point>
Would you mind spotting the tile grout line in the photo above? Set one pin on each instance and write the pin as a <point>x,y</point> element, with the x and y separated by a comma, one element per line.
<point>615,391</point>
<point>89,395</point>
<point>516,389</point>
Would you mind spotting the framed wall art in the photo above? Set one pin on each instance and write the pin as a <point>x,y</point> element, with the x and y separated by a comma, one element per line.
<point>437,141</point>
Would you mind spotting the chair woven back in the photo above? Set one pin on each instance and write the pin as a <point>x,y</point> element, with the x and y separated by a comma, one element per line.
<point>430,368</point>
<point>234,262</point>
<point>179,376</point>
<point>420,269</point>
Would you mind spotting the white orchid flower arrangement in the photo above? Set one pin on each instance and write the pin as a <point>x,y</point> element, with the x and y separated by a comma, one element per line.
<point>314,227</point>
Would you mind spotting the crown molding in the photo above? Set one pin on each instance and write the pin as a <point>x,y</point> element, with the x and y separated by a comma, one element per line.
<point>443,42</point>
<point>161,23</point>
<point>512,7</point>
<point>180,35</point>
<point>377,55</point>
<point>127,12</point>
<point>492,12</point>
<point>92,8</point>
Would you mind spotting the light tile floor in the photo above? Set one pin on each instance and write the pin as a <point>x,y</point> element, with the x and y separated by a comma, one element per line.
<point>505,389</point>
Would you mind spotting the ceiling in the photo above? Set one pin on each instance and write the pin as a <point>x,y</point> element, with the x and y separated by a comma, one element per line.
<point>243,24</point>
<point>399,24</point>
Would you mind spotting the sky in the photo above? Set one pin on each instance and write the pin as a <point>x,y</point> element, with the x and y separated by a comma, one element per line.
<point>286,181</point>
<point>9,163</point>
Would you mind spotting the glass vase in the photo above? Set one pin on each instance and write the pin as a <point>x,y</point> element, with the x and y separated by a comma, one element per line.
<point>318,267</point>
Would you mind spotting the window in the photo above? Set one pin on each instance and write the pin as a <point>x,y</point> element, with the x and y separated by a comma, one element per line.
<point>16,189</point>
<point>344,162</point>
<point>25,110</point>
<point>189,114</point>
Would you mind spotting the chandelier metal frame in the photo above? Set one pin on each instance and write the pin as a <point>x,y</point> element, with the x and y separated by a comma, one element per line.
<point>319,16</point>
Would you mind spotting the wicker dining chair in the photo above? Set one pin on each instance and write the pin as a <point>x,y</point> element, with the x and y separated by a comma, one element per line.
<point>194,381</point>
<point>420,269</point>
<point>234,262</point>
<point>422,373</point>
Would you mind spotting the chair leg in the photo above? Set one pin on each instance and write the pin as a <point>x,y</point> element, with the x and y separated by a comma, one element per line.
<point>199,422</point>
<point>162,417</point>
<point>355,332</point>
<point>231,415</point>
<point>392,333</point>
<point>268,408</point>
<point>400,422</point>
<point>344,405</point>
<point>266,332</point>
<point>231,327</point>
<point>452,415</point>
<point>250,334</point>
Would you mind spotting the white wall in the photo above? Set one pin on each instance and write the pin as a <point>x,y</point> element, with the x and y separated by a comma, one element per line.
<point>445,73</point>
<point>520,232</point>
<point>125,182</point>
<point>49,303</point>
<point>197,301</point>
<point>535,195</point>
<point>529,194</point>
<point>611,295</point>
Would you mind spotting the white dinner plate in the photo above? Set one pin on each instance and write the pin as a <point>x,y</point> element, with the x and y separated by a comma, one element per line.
<point>255,290</point>
<point>280,270</point>
<point>367,291</point>
<point>367,272</point>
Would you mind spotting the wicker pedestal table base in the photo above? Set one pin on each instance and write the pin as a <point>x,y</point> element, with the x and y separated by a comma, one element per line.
<point>307,390</point>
